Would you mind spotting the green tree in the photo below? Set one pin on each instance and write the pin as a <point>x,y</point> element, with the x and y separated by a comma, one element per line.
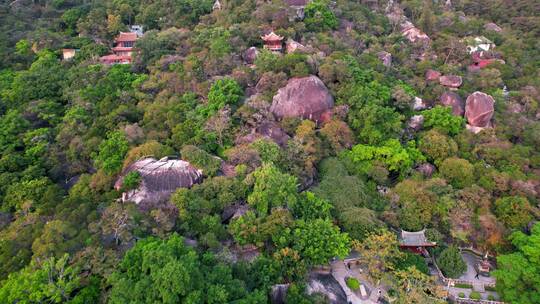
<point>319,16</point>
<point>457,171</point>
<point>111,152</point>
<point>223,92</point>
<point>518,273</point>
<point>392,154</point>
<point>319,240</point>
<point>310,207</point>
<point>514,211</point>
<point>451,262</point>
<point>272,189</point>
<point>54,282</point>
<point>441,118</point>
<point>378,252</point>
<point>436,146</point>
<point>168,271</point>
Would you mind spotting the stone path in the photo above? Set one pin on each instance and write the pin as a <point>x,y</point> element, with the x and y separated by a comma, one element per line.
<point>340,272</point>
<point>470,274</point>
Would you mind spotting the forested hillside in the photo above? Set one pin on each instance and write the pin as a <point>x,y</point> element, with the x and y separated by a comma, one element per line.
<point>243,147</point>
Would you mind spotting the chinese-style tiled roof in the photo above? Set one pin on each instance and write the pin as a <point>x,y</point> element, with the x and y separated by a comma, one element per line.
<point>415,239</point>
<point>272,37</point>
<point>123,37</point>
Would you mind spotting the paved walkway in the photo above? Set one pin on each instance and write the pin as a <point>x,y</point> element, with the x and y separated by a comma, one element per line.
<point>470,274</point>
<point>340,272</point>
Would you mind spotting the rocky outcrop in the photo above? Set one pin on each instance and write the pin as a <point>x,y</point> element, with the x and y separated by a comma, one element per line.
<point>419,104</point>
<point>250,55</point>
<point>385,58</point>
<point>416,122</point>
<point>306,98</point>
<point>426,169</point>
<point>451,81</point>
<point>432,75</point>
<point>414,34</point>
<point>492,27</point>
<point>268,130</point>
<point>451,99</point>
<point>479,109</point>
<point>158,180</point>
<point>292,46</point>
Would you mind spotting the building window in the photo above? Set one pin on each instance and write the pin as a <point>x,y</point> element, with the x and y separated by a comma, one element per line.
<point>128,43</point>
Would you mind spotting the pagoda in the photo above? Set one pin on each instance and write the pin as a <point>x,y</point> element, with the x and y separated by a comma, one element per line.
<point>415,241</point>
<point>273,42</point>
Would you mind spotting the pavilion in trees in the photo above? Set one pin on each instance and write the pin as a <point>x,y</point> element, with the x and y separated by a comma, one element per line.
<point>273,42</point>
<point>415,241</point>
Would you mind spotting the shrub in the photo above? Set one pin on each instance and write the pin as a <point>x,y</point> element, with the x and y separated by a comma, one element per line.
<point>353,283</point>
<point>441,118</point>
<point>201,159</point>
<point>457,171</point>
<point>475,295</point>
<point>131,181</point>
<point>491,297</point>
<point>437,146</point>
<point>461,295</point>
<point>463,285</point>
<point>451,262</point>
<point>514,211</point>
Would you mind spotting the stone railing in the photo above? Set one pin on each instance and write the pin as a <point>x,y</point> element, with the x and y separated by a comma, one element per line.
<point>471,301</point>
<point>449,281</point>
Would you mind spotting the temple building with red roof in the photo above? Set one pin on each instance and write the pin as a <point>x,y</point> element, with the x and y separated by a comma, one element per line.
<point>122,50</point>
<point>273,42</point>
<point>415,241</point>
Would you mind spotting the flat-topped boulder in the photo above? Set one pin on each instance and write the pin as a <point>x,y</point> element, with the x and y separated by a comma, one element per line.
<point>492,27</point>
<point>432,75</point>
<point>452,99</point>
<point>305,97</point>
<point>479,109</point>
<point>158,180</point>
<point>451,81</point>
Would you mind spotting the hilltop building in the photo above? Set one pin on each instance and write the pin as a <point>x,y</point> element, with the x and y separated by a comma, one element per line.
<point>122,50</point>
<point>273,42</point>
<point>415,241</point>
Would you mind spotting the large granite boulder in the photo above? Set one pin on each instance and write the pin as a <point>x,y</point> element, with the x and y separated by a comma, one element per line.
<point>451,99</point>
<point>414,34</point>
<point>419,104</point>
<point>451,81</point>
<point>385,58</point>
<point>306,98</point>
<point>432,75</point>
<point>158,180</point>
<point>416,122</point>
<point>492,27</point>
<point>479,109</point>
<point>250,55</point>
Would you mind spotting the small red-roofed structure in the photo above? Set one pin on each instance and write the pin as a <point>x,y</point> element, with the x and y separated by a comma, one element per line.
<point>415,241</point>
<point>122,50</point>
<point>273,42</point>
